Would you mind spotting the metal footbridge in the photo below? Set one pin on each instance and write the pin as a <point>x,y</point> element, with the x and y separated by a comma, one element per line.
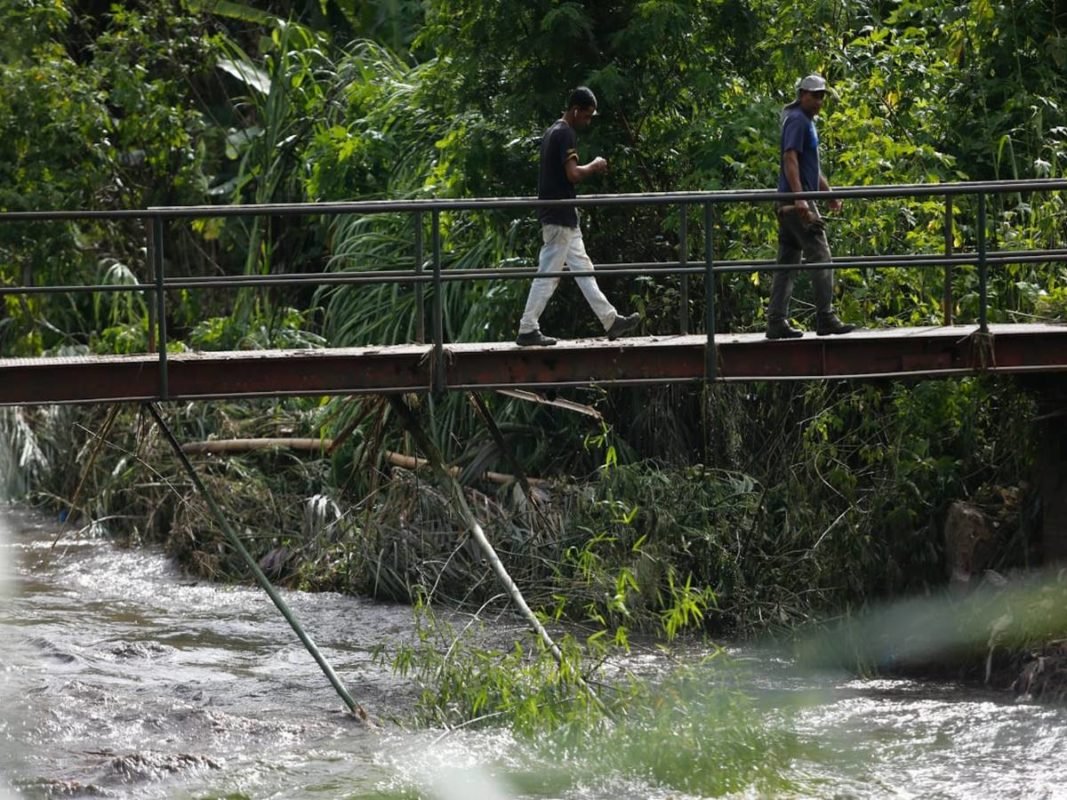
<point>698,350</point>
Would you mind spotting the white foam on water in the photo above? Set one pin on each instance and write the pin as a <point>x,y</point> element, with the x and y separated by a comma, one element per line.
<point>465,784</point>
<point>469,765</point>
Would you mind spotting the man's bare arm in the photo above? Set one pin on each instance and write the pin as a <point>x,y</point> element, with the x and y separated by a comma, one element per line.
<point>576,173</point>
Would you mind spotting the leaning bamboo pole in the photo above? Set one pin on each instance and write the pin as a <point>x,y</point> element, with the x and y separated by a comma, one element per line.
<point>409,422</point>
<point>235,541</point>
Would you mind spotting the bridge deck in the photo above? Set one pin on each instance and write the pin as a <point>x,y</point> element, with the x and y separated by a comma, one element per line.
<point>886,352</point>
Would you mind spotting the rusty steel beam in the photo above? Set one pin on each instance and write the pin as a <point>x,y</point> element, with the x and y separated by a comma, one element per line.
<point>894,352</point>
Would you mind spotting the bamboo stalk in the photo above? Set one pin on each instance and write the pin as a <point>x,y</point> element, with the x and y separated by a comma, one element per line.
<point>251,445</point>
<point>235,541</point>
<point>427,446</point>
<point>415,463</point>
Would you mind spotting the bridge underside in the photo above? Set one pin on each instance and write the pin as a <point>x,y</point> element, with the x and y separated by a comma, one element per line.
<point>888,352</point>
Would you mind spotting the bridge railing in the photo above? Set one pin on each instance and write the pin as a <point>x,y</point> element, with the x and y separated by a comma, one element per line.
<point>427,270</point>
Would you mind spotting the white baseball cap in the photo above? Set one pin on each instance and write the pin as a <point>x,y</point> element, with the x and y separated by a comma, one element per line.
<point>812,83</point>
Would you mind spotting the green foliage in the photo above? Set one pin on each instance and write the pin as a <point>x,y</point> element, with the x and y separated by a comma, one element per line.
<point>23,463</point>
<point>460,684</point>
<point>121,318</point>
<point>95,113</point>
<point>392,22</point>
<point>173,102</point>
<point>647,546</point>
<point>694,732</point>
<point>969,634</point>
<point>146,62</point>
<point>285,329</point>
<point>277,111</point>
<point>691,731</point>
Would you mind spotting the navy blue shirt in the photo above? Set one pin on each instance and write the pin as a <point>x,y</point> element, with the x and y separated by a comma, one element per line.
<point>798,133</point>
<point>558,145</point>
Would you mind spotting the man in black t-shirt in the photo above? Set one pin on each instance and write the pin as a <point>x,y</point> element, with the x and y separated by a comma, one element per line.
<point>562,235</point>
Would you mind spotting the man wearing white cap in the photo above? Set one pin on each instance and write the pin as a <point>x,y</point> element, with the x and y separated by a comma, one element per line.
<point>801,228</point>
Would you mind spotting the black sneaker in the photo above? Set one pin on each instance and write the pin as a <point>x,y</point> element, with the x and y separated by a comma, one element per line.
<point>830,325</point>
<point>781,329</point>
<point>534,339</point>
<point>623,325</point>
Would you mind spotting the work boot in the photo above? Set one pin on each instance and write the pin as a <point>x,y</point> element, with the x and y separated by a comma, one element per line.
<point>623,325</point>
<point>779,328</point>
<point>534,339</point>
<point>829,325</point>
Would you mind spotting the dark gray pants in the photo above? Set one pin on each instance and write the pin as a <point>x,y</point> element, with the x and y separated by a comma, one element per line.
<point>800,241</point>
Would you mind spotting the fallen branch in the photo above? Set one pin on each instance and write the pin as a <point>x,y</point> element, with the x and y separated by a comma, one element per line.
<point>250,445</point>
<point>413,463</point>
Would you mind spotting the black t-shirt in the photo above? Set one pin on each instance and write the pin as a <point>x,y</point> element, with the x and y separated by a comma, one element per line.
<point>558,145</point>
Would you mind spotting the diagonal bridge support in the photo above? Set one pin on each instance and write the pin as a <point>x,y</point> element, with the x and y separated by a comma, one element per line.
<point>261,579</point>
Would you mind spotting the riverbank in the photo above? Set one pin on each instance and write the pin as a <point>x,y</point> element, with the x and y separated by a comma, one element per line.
<point>1003,634</point>
<point>813,500</point>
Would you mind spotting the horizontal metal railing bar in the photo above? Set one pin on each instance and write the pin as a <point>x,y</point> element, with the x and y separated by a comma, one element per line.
<point>321,279</point>
<point>467,204</point>
<point>632,269</point>
<point>884,262</point>
<point>933,259</point>
<point>647,198</point>
<point>74,214</point>
<point>77,288</point>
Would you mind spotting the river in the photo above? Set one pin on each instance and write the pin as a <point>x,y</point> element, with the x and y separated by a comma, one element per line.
<point>124,678</point>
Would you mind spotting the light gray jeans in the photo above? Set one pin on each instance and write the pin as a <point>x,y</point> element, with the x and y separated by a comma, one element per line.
<point>564,246</point>
<point>799,241</point>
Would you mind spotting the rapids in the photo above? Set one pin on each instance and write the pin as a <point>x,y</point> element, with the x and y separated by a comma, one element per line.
<point>121,677</point>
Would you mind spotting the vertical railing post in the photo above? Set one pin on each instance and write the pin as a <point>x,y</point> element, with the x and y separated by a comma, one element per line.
<point>683,260</point>
<point>983,268</point>
<point>156,249</point>
<point>947,300</point>
<point>420,290</point>
<point>438,374</point>
<point>712,359</point>
<point>150,267</point>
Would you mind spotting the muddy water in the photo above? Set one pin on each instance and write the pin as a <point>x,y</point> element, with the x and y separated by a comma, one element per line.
<point>123,678</point>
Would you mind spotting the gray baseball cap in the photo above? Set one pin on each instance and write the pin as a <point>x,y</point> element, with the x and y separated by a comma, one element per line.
<point>812,83</point>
